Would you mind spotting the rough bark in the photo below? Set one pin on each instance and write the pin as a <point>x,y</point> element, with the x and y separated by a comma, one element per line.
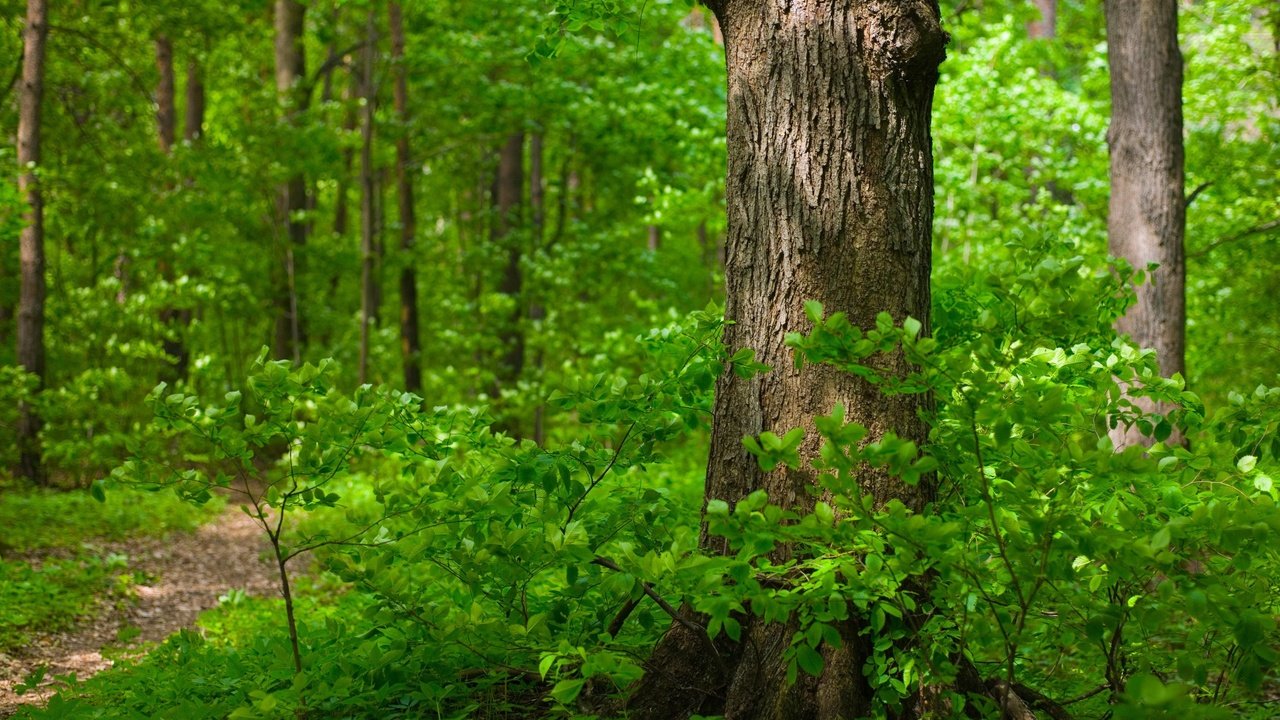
<point>30,336</point>
<point>1046,26</point>
<point>508,188</point>
<point>829,197</point>
<point>290,66</point>
<point>368,293</point>
<point>1147,218</point>
<point>410,336</point>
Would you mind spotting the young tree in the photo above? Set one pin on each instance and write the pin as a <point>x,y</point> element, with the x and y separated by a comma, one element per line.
<point>291,71</point>
<point>410,337</point>
<point>31,354</point>
<point>830,198</point>
<point>1147,218</point>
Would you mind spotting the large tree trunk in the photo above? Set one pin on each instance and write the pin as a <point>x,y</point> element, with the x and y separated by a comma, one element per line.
<point>31,354</point>
<point>508,188</point>
<point>368,291</point>
<point>830,198</point>
<point>1147,217</point>
<point>291,64</point>
<point>410,336</point>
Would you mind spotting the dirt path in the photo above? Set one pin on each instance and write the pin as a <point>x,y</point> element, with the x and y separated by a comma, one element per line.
<point>189,572</point>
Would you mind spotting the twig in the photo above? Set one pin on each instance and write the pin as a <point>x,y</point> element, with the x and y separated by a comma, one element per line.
<point>605,562</point>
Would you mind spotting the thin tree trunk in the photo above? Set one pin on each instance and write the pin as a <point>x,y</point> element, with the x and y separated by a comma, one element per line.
<point>166,114</point>
<point>31,354</point>
<point>166,134</point>
<point>1047,25</point>
<point>341,214</point>
<point>410,337</point>
<point>653,238</point>
<point>193,120</point>
<point>508,188</point>
<point>830,198</point>
<point>537,203</point>
<point>368,297</point>
<point>291,64</point>
<point>1147,219</point>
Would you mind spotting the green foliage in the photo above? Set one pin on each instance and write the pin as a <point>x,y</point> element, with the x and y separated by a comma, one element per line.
<point>1048,557</point>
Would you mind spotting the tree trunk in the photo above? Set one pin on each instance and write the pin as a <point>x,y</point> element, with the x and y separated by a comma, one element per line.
<point>507,192</point>
<point>166,133</point>
<point>193,121</point>
<point>291,64</point>
<point>1046,27</point>
<point>166,114</point>
<point>410,337</point>
<point>537,203</point>
<point>653,238</point>
<point>31,355</point>
<point>368,296</point>
<point>1147,217</point>
<point>830,198</point>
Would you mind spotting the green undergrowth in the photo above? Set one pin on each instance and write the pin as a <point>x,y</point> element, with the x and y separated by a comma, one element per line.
<point>52,595</point>
<point>236,665</point>
<point>37,520</point>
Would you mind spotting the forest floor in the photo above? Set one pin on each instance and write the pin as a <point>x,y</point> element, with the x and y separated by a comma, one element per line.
<point>181,576</point>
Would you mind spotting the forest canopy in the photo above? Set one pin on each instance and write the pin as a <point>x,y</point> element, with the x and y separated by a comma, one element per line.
<point>745,359</point>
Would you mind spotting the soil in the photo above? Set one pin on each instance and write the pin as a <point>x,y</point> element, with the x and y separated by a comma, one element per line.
<point>187,573</point>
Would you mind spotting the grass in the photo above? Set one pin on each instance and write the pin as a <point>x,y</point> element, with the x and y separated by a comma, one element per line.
<point>39,520</point>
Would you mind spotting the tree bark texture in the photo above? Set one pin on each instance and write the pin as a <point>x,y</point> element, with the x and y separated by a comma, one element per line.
<point>1147,214</point>
<point>30,336</point>
<point>410,335</point>
<point>291,64</point>
<point>508,188</point>
<point>830,198</point>
<point>368,227</point>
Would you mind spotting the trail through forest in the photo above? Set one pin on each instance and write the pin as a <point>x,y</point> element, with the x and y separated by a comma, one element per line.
<point>182,575</point>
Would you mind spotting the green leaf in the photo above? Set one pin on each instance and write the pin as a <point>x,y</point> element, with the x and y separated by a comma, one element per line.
<point>810,660</point>
<point>566,691</point>
<point>1246,463</point>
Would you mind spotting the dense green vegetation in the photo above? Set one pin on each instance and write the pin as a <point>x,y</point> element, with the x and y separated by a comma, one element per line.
<point>497,510</point>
